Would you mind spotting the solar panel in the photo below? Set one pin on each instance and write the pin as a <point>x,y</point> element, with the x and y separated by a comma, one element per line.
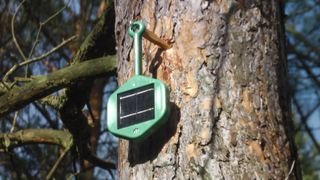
<point>136,106</point>
<point>140,105</point>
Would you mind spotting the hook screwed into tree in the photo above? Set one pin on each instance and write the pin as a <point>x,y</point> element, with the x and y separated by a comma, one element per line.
<point>136,30</point>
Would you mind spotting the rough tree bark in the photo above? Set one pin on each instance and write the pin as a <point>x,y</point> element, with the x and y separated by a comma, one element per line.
<point>227,75</point>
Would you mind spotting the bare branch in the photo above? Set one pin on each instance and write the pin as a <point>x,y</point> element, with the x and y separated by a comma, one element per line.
<point>46,115</point>
<point>13,32</point>
<point>11,70</point>
<point>14,121</point>
<point>53,169</point>
<point>100,163</point>
<point>3,87</point>
<point>306,126</point>
<point>35,59</point>
<point>308,114</point>
<point>40,87</point>
<point>45,31</point>
<point>35,136</point>
<point>29,60</point>
<point>303,55</point>
<point>303,39</point>
<point>309,72</point>
<point>41,24</point>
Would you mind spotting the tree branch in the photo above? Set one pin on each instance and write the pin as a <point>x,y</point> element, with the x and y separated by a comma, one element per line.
<point>13,32</point>
<point>77,95</point>
<point>303,39</point>
<point>14,121</point>
<point>101,163</point>
<point>41,24</point>
<point>35,136</point>
<point>53,169</point>
<point>35,59</point>
<point>44,30</point>
<point>46,115</point>
<point>38,58</point>
<point>54,101</point>
<point>305,123</point>
<point>18,97</point>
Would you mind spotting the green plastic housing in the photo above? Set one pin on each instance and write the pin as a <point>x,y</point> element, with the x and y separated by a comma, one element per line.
<point>145,121</point>
<point>143,129</point>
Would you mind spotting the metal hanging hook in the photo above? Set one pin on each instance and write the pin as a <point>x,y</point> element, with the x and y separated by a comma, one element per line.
<point>136,30</point>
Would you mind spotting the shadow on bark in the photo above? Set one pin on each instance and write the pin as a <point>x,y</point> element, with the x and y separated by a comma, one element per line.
<point>148,150</point>
<point>155,63</point>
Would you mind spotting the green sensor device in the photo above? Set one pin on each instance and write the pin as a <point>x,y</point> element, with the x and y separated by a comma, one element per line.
<point>142,104</point>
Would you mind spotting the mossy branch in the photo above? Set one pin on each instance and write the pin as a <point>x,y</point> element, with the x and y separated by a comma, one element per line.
<point>35,136</point>
<point>42,86</point>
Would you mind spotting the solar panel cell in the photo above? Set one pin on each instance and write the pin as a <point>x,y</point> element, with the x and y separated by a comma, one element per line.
<point>135,106</point>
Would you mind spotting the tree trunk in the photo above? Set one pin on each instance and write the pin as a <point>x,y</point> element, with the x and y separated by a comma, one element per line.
<point>227,75</point>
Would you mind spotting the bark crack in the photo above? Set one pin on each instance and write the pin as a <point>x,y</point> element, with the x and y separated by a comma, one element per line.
<point>176,162</point>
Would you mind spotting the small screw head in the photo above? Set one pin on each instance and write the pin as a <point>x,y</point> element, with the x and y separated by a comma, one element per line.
<point>136,131</point>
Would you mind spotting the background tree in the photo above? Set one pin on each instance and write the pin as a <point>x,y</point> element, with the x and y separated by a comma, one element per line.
<point>303,56</point>
<point>33,24</point>
<point>227,73</point>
